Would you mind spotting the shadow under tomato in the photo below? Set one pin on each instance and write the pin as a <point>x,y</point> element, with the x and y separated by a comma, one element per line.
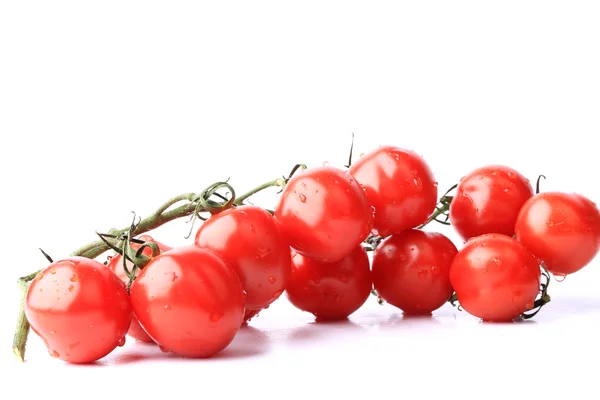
<point>249,342</point>
<point>320,329</point>
<point>399,321</point>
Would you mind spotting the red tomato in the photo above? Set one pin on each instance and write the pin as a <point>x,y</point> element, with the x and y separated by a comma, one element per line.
<point>79,308</point>
<point>495,278</point>
<point>250,239</point>
<point>411,270</point>
<point>116,265</point>
<point>330,290</point>
<point>488,200</point>
<point>561,229</point>
<point>189,301</point>
<point>324,213</point>
<point>399,185</point>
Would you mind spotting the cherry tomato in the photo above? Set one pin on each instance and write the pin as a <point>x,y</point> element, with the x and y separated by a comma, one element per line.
<point>324,213</point>
<point>411,270</point>
<point>561,229</point>
<point>330,290</point>
<point>488,200</point>
<point>79,308</point>
<point>189,301</point>
<point>250,239</point>
<point>495,277</point>
<point>399,185</point>
<point>116,265</point>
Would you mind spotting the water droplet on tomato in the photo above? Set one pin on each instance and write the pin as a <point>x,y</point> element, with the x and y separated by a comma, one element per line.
<point>121,342</point>
<point>163,349</point>
<point>302,197</point>
<point>483,244</point>
<point>512,174</point>
<point>272,279</point>
<point>337,299</point>
<point>216,316</point>
<point>53,271</point>
<point>71,288</point>
<point>497,261</point>
<point>506,190</point>
<point>435,184</point>
<point>567,229</point>
<point>303,185</point>
<point>418,184</point>
<point>401,257</point>
<point>167,307</point>
<point>432,268</point>
<point>39,276</point>
<point>422,274</point>
<point>52,332</point>
<point>73,278</point>
<point>415,172</point>
<point>560,277</point>
<point>277,294</point>
<point>550,223</point>
<point>253,229</point>
<point>326,163</point>
<point>494,173</point>
<point>54,353</point>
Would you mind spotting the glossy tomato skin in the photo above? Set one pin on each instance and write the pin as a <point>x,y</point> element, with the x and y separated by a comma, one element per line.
<point>488,200</point>
<point>495,277</point>
<point>411,270</point>
<point>79,308</point>
<point>330,291</point>
<point>561,229</point>
<point>249,238</point>
<point>189,301</point>
<point>399,185</point>
<point>116,265</point>
<point>324,213</point>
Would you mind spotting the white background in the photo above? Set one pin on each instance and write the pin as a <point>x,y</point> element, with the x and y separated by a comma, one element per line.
<point>111,107</point>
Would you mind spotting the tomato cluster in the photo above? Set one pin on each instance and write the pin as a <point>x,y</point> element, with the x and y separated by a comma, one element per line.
<point>313,246</point>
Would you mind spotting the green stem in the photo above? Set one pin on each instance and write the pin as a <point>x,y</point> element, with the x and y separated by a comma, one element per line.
<point>22,330</point>
<point>279,182</point>
<point>439,210</point>
<point>158,218</point>
<point>94,249</point>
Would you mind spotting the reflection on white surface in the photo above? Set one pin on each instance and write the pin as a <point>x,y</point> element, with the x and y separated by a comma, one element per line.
<point>376,350</point>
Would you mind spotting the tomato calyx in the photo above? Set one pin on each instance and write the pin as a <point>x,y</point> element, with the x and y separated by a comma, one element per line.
<point>380,300</point>
<point>544,296</point>
<point>453,300</point>
<point>136,256</point>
